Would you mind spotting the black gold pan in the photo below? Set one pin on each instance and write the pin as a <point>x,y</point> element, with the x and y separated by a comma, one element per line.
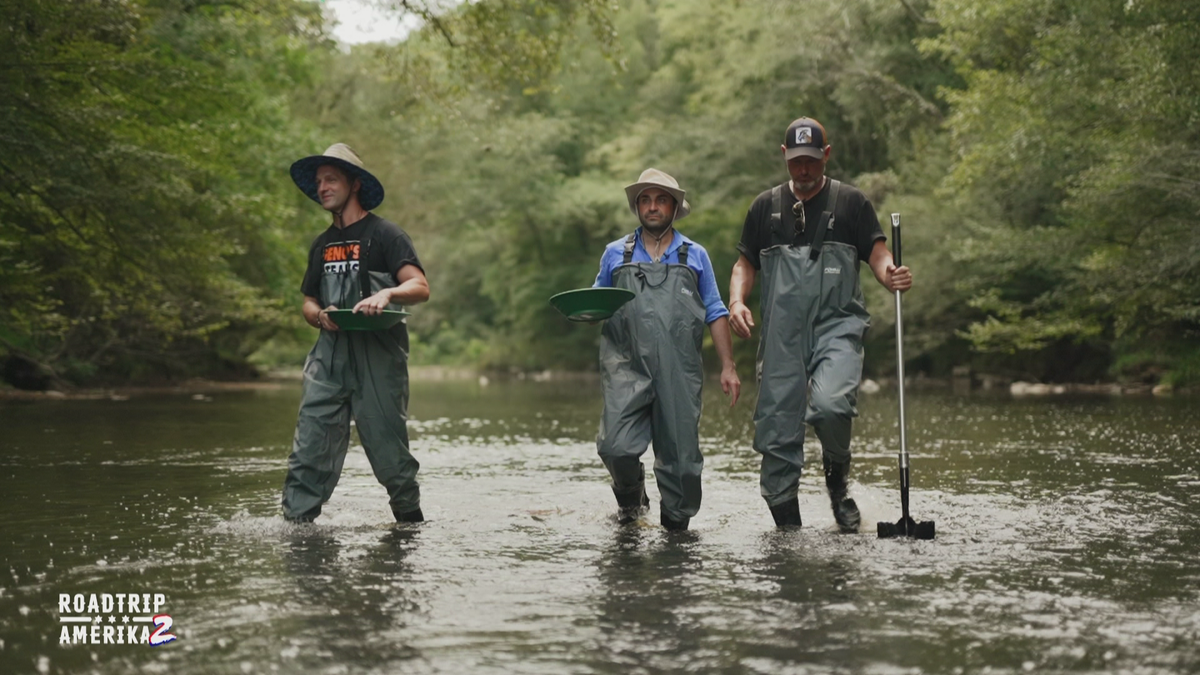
<point>347,319</point>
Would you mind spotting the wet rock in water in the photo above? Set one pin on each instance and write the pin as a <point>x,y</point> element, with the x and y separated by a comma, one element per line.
<point>988,381</point>
<point>1030,389</point>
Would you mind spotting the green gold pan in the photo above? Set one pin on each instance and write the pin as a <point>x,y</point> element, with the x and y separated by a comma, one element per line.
<point>591,304</point>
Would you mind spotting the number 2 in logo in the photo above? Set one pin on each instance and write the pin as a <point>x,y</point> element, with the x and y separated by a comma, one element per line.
<point>161,635</point>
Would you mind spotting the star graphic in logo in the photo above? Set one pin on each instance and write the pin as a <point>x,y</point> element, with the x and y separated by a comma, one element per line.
<point>99,620</point>
<point>112,619</point>
<point>125,619</point>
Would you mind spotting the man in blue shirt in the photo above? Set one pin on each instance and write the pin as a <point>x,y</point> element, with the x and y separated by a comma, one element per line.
<point>650,360</point>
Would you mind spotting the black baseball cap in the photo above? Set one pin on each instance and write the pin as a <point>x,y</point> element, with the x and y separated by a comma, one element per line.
<point>805,138</point>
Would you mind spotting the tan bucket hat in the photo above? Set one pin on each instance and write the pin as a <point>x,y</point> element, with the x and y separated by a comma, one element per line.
<point>653,178</point>
<point>304,174</point>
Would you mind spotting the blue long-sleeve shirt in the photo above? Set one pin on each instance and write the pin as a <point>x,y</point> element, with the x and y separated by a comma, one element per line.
<point>698,260</point>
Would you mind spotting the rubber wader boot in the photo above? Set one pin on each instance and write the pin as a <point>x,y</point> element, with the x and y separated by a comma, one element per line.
<point>787,514</point>
<point>673,525</point>
<point>845,511</point>
<point>410,516</point>
<point>633,504</point>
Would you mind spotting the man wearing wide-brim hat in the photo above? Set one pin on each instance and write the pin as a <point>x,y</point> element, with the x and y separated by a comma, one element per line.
<point>366,264</point>
<point>650,355</point>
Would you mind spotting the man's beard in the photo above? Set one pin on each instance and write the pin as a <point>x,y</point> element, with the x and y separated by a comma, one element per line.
<point>659,229</point>
<point>808,186</point>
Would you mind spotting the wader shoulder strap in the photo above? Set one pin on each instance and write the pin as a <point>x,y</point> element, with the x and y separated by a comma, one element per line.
<point>683,252</point>
<point>826,220</point>
<point>629,242</point>
<point>776,208</point>
<point>364,248</point>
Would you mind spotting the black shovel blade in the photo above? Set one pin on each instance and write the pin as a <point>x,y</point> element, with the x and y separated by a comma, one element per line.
<point>906,527</point>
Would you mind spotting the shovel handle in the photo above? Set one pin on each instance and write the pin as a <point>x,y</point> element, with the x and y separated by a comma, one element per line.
<point>896,239</point>
<point>900,373</point>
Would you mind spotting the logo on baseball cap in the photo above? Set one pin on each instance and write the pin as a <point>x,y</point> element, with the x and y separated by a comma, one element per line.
<point>805,138</point>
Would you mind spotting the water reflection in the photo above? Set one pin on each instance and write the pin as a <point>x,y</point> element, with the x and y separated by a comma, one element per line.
<point>350,593</point>
<point>651,588</point>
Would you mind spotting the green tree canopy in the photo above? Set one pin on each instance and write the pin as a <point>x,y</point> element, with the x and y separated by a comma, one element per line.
<point>141,229</point>
<point>1043,154</point>
<point>1077,141</point>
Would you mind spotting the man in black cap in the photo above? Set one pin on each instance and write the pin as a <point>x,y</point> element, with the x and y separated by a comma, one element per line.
<point>364,263</point>
<point>808,236</point>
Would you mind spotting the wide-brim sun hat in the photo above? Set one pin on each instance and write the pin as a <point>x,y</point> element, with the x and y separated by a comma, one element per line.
<point>304,174</point>
<point>653,178</point>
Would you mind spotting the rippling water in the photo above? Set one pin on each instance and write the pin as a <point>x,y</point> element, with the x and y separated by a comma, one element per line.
<point>1068,541</point>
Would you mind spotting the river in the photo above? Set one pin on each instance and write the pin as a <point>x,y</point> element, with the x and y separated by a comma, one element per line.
<point>1068,540</point>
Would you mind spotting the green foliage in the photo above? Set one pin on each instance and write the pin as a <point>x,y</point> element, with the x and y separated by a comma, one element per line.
<point>1043,154</point>
<point>508,168</point>
<point>1077,134</point>
<point>139,234</point>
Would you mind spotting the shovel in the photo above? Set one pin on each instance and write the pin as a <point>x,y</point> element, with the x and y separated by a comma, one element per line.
<point>906,526</point>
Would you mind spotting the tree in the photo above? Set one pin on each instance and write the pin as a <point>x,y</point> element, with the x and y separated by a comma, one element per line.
<point>510,175</point>
<point>140,152</point>
<point>1078,144</point>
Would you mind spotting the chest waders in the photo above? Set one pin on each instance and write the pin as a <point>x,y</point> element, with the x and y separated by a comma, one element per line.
<point>353,374</point>
<point>652,373</point>
<point>810,355</point>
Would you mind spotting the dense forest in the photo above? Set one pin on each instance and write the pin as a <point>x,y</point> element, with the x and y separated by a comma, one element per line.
<point>1045,155</point>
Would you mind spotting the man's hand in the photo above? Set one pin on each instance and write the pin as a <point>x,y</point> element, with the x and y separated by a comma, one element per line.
<point>898,279</point>
<point>323,320</point>
<point>885,270</point>
<point>723,343</point>
<point>731,384</point>
<point>741,281</point>
<point>375,304</point>
<point>741,319</point>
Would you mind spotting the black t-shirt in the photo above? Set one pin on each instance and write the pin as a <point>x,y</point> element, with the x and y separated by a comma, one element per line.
<point>854,222</point>
<point>390,250</point>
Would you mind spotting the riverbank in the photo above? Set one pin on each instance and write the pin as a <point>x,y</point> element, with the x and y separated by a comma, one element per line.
<point>199,389</point>
<point>1020,388</point>
<point>277,379</point>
